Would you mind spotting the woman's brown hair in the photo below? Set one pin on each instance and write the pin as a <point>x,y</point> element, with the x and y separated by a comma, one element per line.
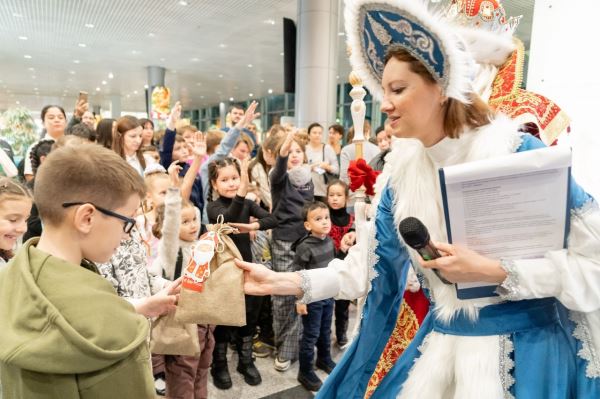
<point>124,124</point>
<point>457,115</point>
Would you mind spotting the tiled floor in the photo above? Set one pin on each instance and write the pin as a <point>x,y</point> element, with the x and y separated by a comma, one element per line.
<point>275,385</point>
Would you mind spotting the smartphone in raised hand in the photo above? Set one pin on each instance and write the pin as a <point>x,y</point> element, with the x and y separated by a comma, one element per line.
<point>83,96</point>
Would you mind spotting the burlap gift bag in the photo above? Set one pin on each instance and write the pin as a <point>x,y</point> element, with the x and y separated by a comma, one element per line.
<point>212,290</point>
<point>171,337</point>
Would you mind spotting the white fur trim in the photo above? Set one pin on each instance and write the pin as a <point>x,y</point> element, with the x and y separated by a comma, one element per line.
<point>457,58</point>
<point>487,47</point>
<point>414,178</point>
<point>453,366</point>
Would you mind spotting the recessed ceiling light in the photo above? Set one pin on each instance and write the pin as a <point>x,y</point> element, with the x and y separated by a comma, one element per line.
<point>72,72</point>
<point>173,71</point>
<point>23,37</point>
<point>281,53</point>
<point>128,96</point>
<point>31,69</point>
<point>83,45</point>
<point>34,77</point>
<point>249,65</point>
<point>17,15</point>
<point>262,81</point>
<point>104,82</point>
<point>162,59</point>
<point>89,26</point>
<point>27,56</point>
<point>230,98</point>
<point>269,21</point>
<point>35,89</point>
<point>18,102</point>
<point>270,91</point>
<point>222,45</point>
<point>337,76</point>
<point>183,3</point>
<point>135,92</point>
<point>199,84</point>
<point>201,97</point>
<point>97,89</point>
<point>195,59</point>
<point>341,33</point>
<point>220,75</point>
<point>110,75</point>
<point>151,34</point>
<point>135,52</point>
<point>145,86</point>
<point>76,61</point>
<point>250,95</point>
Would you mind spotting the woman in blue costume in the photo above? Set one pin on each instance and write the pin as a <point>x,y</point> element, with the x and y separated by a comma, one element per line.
<point>540,337</point>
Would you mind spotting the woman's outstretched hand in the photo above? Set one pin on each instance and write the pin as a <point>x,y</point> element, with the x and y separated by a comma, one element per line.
<point>462,265</point>
<point>258,280</point>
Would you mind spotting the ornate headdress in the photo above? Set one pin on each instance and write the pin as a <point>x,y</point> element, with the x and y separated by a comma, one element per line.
<point>373,25</point>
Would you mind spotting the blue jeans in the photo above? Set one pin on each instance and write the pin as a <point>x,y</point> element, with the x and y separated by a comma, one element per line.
<point>317,331</point>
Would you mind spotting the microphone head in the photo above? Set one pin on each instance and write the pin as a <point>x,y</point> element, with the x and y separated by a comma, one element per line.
<point>414,233</point>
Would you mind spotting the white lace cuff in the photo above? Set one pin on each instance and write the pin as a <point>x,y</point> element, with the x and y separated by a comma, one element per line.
<point>509,288</point>
<point>306,287</point>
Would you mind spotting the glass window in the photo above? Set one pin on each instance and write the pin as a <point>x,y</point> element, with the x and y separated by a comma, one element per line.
<point>276,103</point>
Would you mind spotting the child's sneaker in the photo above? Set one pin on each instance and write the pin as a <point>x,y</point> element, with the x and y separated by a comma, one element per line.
<point>282,365</point>
<point>325,365</point>
<point>309,380</point>
<point>260,349</point>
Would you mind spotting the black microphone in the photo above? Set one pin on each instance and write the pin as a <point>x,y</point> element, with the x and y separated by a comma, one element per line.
<point>415,235</point>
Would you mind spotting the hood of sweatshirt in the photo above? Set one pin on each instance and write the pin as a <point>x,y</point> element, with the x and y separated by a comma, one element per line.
<point>58,317</point>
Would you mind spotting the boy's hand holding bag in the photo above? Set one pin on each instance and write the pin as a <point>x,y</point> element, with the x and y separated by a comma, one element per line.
<point>212,291</point>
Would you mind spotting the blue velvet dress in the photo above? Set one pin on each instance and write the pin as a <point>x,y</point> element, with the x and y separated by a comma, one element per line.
<point>546,364</point>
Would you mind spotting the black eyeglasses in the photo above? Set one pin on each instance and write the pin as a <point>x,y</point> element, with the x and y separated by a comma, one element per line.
<point>129,222</point>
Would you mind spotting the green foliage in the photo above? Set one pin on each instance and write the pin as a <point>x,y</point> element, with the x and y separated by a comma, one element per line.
<point>19,129</point>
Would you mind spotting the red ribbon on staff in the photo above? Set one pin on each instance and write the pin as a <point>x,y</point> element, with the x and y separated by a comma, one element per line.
<point>360,173</point>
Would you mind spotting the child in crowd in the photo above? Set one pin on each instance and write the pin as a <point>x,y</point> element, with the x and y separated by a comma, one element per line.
<point>51,344</point>
<point>291,188</point>
<point>15,205</point>
<point>175,149</point>
<point>231,184</point>
<point>261,166</point>
<point>384,142</point>
<point>222,146</point>
<point>313,252</point>
<point>178,227</point>
<point>342,223</point>
<point>242,148</point>
<point>157,183</point>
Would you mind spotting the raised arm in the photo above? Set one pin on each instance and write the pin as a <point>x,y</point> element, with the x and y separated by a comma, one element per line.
<point>198,148</point>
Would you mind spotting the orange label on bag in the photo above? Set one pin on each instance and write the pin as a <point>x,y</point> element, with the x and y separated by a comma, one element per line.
<point>197,270</point>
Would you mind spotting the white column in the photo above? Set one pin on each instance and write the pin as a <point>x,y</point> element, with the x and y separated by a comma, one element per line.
<point>563,65</point>
<point>115,106</point>
<point>316,62</point>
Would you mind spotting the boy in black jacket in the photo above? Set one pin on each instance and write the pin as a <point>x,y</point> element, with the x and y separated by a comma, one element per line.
<point>312,252</point>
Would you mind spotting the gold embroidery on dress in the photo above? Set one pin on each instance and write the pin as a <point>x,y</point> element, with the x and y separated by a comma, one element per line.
<point>405,330</point>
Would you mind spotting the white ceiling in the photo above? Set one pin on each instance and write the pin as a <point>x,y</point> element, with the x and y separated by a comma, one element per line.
<point>197,43</point>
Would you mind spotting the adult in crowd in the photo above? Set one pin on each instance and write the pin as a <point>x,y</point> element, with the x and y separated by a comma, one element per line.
<point>348,153</point>
<point>322,160</point>
<point>147,132</point>
<point>127,142</point>
<point>336,138</point>
<point>55,122</point>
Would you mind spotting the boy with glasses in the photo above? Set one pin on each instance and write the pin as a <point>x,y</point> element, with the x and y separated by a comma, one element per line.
<point>65,333</point>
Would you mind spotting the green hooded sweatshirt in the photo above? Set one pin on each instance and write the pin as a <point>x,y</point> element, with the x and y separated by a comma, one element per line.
<point>64,333</point>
